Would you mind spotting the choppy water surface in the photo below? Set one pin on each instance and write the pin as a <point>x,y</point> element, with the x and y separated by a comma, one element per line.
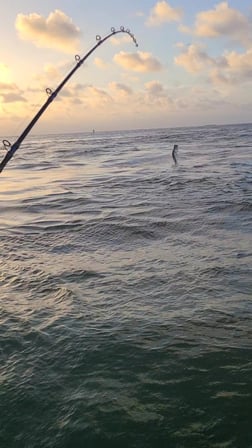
<point>126,290</point>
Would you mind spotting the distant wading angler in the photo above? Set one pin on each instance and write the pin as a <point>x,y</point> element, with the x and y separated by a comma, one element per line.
<point>174,154</point>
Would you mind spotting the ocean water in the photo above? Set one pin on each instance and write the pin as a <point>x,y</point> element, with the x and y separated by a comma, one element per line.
<point>126,290</point>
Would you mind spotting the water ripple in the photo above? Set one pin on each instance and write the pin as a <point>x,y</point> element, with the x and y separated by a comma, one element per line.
<point>126,291</point>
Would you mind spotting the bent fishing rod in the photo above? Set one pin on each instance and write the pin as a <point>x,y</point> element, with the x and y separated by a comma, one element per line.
<point>12,148</point>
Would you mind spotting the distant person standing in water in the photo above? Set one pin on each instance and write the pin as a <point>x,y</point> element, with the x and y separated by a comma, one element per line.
<point>174,154</point>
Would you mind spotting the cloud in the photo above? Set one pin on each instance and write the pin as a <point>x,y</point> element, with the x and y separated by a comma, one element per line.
<point>8,86</point>
<point>194,59</point>
<point>12,97</point>
<point>120,39</point>
<point>199,99</point>
<point>222,21</point>
<point>138,62</point>
<point>237,69</point>
<point>87,95</point>
<point>155,88</point>
<point>231,68</point>
<point>57,31</point>
<point>156,95</point>
<point>112,96</point>
<point>120,89</point>
<point>53,71</point>
<point>50,72</point>
<point>10,93</point>
<point>92,96</point>
<point>95,97</point>
<point>100,63</point>
<point>162,13</point>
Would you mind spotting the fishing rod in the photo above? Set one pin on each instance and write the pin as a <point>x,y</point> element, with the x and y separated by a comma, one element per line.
<point>12,148</point>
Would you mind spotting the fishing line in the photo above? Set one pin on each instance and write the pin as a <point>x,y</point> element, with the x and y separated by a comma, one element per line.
<point>12,148</point>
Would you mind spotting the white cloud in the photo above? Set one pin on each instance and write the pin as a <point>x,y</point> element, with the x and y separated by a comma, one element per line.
<point>231,68</point>
<point>194,59</point>
<point>7,86</point>
<point>155,88</point>
<point>222,21</point>
<point>12,97</point>
<point>162,13</point>
<point>122,90</point>
<point>120,39</point>
<point>237,69</point>
<point>100,63</point>
<point>156,95</point>
<point>138,62</point>
<point>57,31</point>
<point>10,93</point>
<point>95,97</point>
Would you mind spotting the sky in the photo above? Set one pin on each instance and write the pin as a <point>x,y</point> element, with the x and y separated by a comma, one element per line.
<point>192,66</point>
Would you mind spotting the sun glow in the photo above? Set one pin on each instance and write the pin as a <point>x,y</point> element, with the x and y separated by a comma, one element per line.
<point>5,75</point>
